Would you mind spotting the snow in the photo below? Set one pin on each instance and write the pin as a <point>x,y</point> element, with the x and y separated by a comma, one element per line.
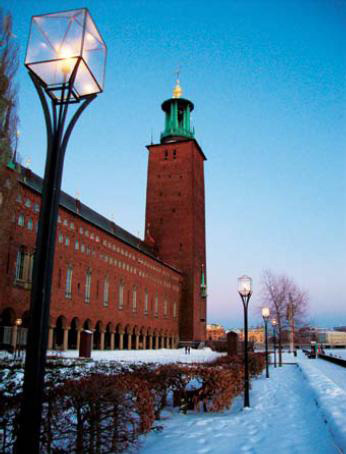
<point>283,417</point>
<point>300,409</point>
<point>162,356</point>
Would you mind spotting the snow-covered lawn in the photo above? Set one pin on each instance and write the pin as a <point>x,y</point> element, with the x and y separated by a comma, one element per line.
<point>162,356</point>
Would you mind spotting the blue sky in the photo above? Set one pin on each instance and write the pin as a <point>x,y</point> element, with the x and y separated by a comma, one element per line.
<point>268,80</point>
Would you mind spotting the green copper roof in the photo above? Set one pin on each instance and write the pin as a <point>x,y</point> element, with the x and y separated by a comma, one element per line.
<point>177,122</point>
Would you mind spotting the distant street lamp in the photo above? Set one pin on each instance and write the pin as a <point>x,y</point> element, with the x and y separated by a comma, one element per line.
<point>18,322</point>
<point>66,62</point>
<point>274,323</point>
<point>245,292</point>
<point>266,315</point>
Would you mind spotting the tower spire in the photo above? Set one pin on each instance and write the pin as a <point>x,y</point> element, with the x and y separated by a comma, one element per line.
<point>177,112</point>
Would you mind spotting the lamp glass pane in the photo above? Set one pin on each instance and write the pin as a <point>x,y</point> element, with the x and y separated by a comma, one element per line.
<point>265,312</point>
<point>94,51</point>
<point>85,83</point>
<point>245,285</point>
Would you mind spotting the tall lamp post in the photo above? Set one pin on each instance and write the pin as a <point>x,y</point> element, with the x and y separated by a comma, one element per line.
<point>266,315</point>
<point>245,292</point>
<point>274,323</point>
<point>18,338</point>
<point>66,62</point>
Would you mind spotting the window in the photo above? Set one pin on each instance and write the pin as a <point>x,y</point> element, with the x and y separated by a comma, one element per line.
<point>36,207</point>
<point>174,154</point>
<point>134,299</point>
<point>92,236</point>
<point>146,301</point>
<point>24,265</point>
<point>81,230</point>
<point>87,286</point>
<point>174,310</point>
<point>76,245</point>
<point>106,292</point>
<point>166,154</point>
<point>21,220</point>
<point>59,219</point>
<point>156,306</point>
<point>65,222</point>
<point>19,198</point>
<point>60,238</point>
<point>20,264</point>
<point>165,308</point>
<point>97,239</point>
<point>67,241</point>
<point>28,203</point>
<point>87,233</point>
<point>30,224</point>
<point>82,248</point>
<point>121,295</point>
<point>68,288</point>
<point>72,226</point>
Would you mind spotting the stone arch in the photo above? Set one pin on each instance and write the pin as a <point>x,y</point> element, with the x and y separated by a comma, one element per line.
<point>97,344</point>
<point>60,326</point>
<point>142,338</point>
<point>7,321</point>
<point>160,336</point>
<point>73,334</point>
<point>87,324</point>
<point>128,337</point>
<point>109,337</point>
<point>118,336</point>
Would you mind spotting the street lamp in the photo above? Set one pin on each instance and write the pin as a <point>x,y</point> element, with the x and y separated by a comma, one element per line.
<point>245,292</point>
<point>274,323</point>
<point>18,323</point>
<point>66,62</point>
<point>266,315</point>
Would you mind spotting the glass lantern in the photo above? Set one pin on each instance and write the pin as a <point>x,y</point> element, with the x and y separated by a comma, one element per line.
<point>245,285</point>
<point>67,54</point>
<point>265,313</point>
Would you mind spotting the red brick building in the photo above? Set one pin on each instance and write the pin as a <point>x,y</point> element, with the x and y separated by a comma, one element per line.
<point>130,293</point>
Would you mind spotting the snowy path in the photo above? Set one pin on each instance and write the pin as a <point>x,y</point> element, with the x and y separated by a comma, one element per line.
<point>283,418</point>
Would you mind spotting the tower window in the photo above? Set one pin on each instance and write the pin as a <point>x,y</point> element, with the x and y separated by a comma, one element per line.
<point>174,154</point>
<point>166,154</point>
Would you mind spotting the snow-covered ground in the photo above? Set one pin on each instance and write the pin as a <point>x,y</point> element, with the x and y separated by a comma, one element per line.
<point>340,352</point>
<point>285,417</point>
<point>162,356</point>
<point>300,409</point>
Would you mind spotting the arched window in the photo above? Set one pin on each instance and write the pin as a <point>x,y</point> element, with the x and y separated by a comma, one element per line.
<point>88,286</point>
<point>106,292</point>
<point>156,306</point>
<point>165,308</point>
<point>121,295</point>
<point>134,299</point>
<point>68,288</point>
<point>146,301</point>
<point>30,224</point>
<point>21,220</point>
<point>20,264</point>
<point>174,310</point>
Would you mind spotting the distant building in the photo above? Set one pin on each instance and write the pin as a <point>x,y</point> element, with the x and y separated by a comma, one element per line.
<point>215,331</point>
<point>340,328</point>
<point>255,335</point>
<point>331,337</point>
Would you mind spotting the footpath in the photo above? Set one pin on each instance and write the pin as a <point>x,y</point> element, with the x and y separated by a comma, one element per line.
<point>299,409</point>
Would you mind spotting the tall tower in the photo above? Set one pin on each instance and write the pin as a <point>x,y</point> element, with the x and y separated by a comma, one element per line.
<point>175,210</point>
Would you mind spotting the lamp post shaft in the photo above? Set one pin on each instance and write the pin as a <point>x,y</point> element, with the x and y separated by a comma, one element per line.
<point>266,341</point>
<point>246,353</point>
<point>30,418</point>
<point>35,361</point>
<point>274,347</point>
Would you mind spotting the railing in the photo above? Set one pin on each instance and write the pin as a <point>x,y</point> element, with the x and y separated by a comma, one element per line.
<point>333,359</point>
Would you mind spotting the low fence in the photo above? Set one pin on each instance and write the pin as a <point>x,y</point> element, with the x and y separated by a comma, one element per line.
<point>333,359</point>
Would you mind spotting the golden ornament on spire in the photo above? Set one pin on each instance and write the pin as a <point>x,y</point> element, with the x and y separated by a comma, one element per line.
<point>178,91</point>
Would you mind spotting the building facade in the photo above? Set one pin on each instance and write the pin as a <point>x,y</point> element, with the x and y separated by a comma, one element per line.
<point>130,293</point>
<point>215,332</point>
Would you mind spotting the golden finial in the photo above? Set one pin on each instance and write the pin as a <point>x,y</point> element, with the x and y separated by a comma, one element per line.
<point>178,91</point>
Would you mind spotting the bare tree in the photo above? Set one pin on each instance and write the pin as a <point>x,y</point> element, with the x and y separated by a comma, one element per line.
<point>8,88</point>
<point>287,303</point>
